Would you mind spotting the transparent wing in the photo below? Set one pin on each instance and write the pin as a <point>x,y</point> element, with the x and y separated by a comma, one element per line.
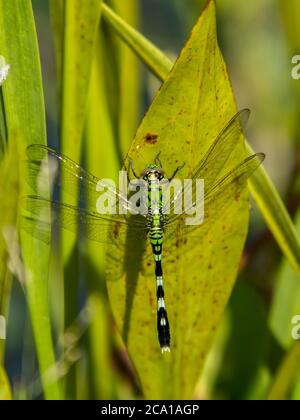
<point>224,190</point>
<point>44,214</point>
<point>45,167</point>
<point>240,174</point>
<point>216,203</point>
<point>216,157</point>
<point>221,149</point>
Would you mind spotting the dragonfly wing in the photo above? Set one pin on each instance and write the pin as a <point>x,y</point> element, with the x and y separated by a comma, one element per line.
<point>222,148</point>
<point>215,159</point>
<point>45,214</point>
<point>240,174</point>
<point>36,228</point>
<point>46,168</point>
<point>225,188</point>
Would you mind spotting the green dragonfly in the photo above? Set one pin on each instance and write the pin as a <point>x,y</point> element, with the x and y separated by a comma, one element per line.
<point>155,222</point>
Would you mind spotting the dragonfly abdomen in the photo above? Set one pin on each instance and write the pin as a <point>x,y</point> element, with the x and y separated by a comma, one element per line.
<point>163,328</point>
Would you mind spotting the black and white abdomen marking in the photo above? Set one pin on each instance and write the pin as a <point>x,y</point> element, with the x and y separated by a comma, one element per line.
<point>163,328</point>
<point>155,225</point>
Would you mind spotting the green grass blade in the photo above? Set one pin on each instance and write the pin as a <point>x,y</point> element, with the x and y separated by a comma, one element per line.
<point>262,188</point>
<point>9,194</point>
<point>75,26</point>
<point>5,391</point>
<point>296,391</point>
<point>286,301</point>
<point>102,160</point>
<point>195,99</point>
<point>155,59</point>
<point>276,215</point>
<point>102,148</point>
<point>286,375</point>
<point>25,118</point>
<point>129,78</point>
<point>113,90</point>
<point>81,22</point>
<point>101,373</point>
<point>290,13</point>
<point>240,374</point>
<point>56,9</point>
<point>3,137</point>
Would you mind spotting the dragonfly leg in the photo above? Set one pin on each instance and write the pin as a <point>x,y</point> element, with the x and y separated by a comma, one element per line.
<point>132,168</point>
<point>176,172</point>
<point>127,173</point>
<point>157,160</point>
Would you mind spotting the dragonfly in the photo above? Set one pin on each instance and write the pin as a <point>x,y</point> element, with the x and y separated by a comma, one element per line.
<point>154,223</point>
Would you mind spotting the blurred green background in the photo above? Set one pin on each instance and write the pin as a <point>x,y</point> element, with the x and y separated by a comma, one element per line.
<point>258,40</point>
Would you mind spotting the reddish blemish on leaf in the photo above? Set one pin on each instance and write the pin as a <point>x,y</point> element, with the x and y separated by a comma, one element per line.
<point>151,138</point>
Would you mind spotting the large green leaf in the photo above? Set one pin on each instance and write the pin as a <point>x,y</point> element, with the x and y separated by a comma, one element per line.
<point>191,108</point>
<point>25,120</point>
<point>261,187</point>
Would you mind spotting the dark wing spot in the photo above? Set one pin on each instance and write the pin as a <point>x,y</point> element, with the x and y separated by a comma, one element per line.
<point>151,138</point>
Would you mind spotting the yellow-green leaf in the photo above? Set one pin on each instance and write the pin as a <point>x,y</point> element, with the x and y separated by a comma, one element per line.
<point>191,108</point>
<point>261,187</point>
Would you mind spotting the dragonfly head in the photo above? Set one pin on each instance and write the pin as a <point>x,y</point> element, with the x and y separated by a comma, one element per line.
<point>152,172</point>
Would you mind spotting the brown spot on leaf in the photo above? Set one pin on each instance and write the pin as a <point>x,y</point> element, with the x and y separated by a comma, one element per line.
<point>151,138</point>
